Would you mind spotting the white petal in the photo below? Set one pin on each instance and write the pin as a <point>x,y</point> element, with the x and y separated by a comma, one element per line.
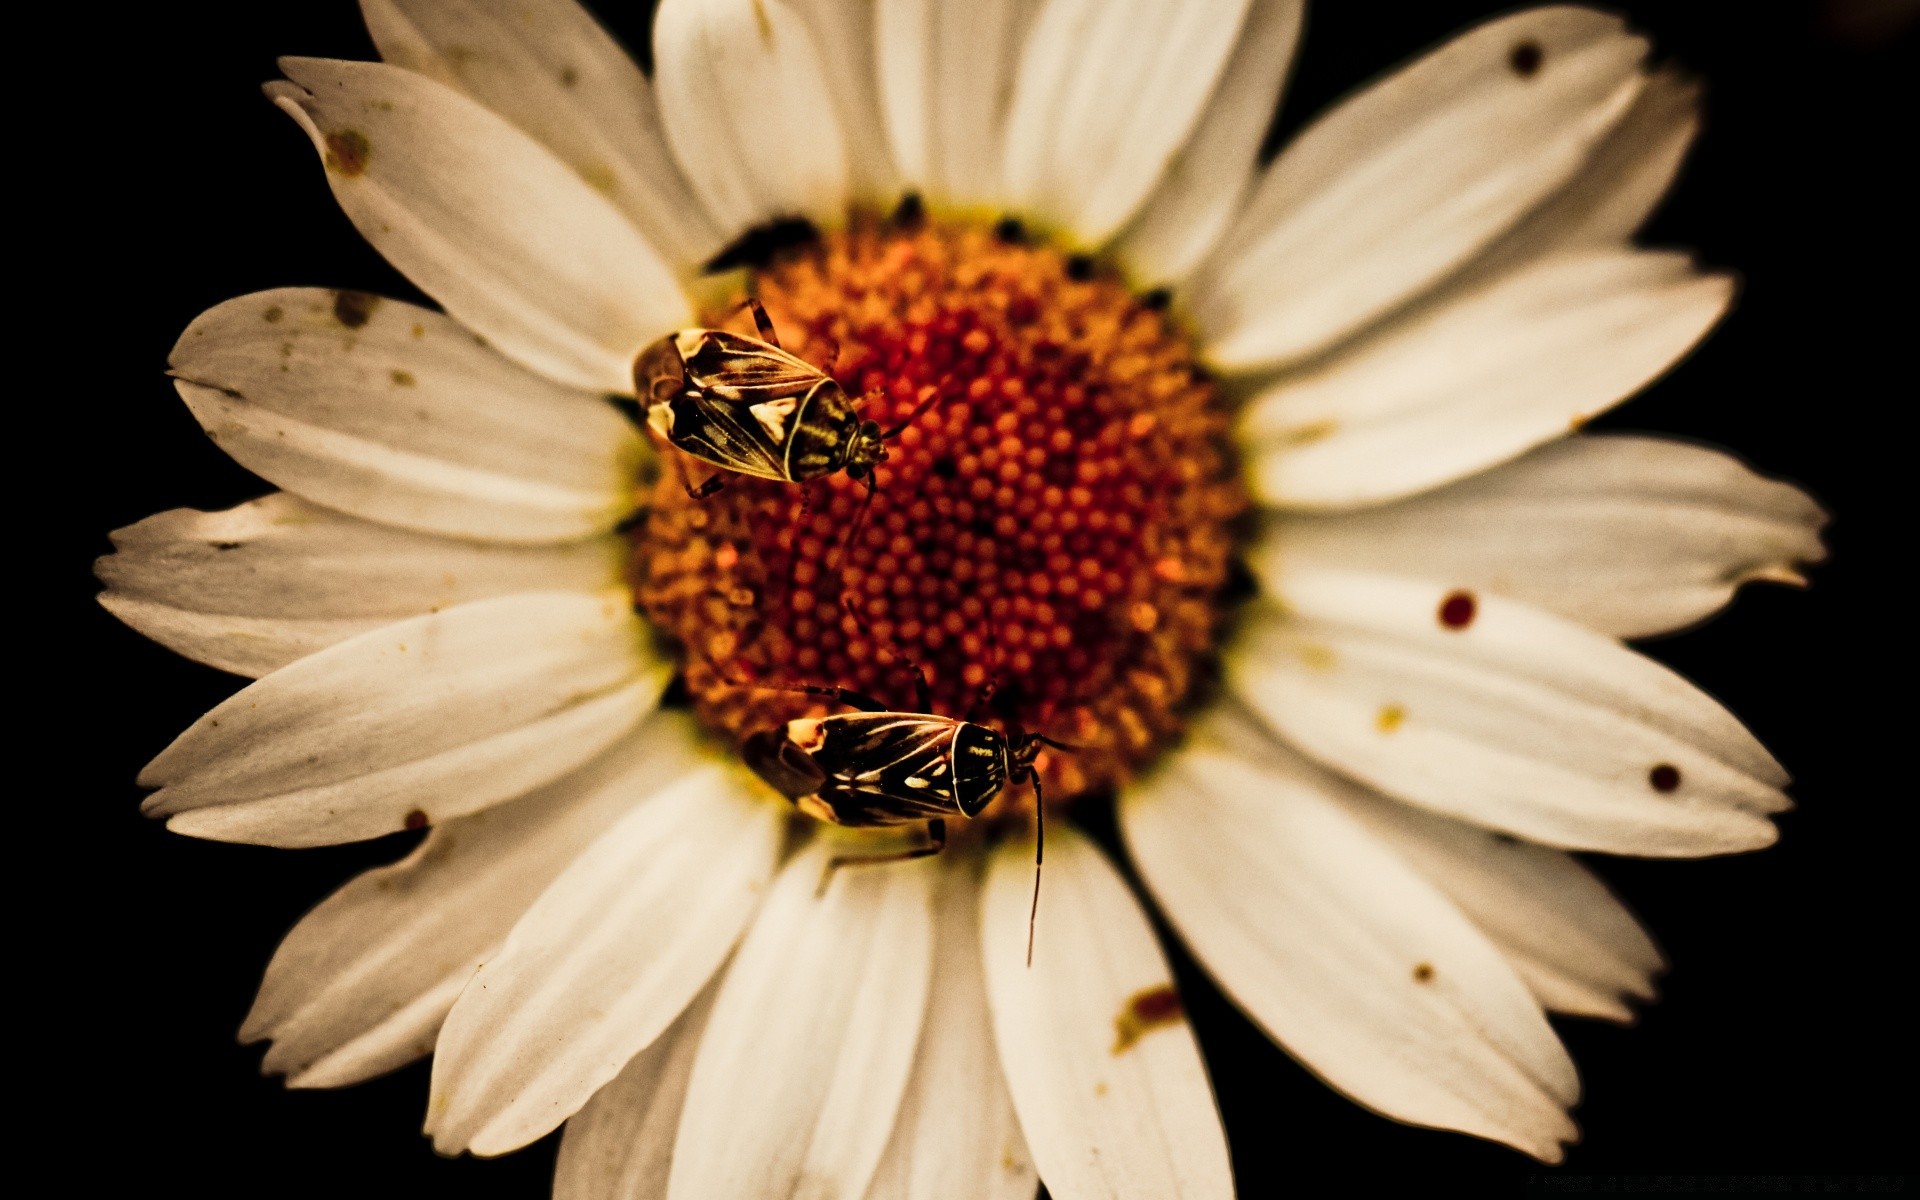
<point>548,67</point>
<point>1203,187</point>
<point>844,35</point>
<point>362,983</point>
<point>1107,92</point>
<point>1344,954</point>
<point>804,1063</point>
<point>1104,1071</point>
<point>393,413</point>
<point>603,962</point>
<point>254,587</point>
<point>1519,721</point>
<point>946,74</point>
<point>440,716</point>
<point>1619,185</point>
<point>620,1146</point>
<point>746,104</point>
<point>1577,947</point>
<point>1391,190</point>
<point>1477,381</point>
<point>956,1134</point>
<point>485,220</point>
<point>1628,535</point>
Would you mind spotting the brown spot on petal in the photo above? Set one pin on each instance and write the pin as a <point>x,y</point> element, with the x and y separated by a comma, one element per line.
<point>1423,972</point>
<point>354,309</point>
<point>1390,718</point>
<point>403,379</point>
<point>1307,435</point>
<point>347,152</point>
<point>1458,609</point>
<point>1144,1012</point>
<point>1665,777</point>
<point>273,315</point>
<point>1525,59</point>
<point>416,819</point>
<point>569,77</point>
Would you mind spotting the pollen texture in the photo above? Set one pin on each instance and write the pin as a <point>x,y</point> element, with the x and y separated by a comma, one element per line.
<point>1053,532</point>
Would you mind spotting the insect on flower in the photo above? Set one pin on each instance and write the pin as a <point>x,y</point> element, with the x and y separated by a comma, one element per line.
<point>746,405</point>
<point>878,766</point>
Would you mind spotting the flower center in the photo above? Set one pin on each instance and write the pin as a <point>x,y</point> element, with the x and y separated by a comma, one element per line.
<point>1055,528</point>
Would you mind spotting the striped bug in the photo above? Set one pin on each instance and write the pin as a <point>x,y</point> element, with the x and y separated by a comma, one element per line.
<point>879,766</point>
<point>747,406</point>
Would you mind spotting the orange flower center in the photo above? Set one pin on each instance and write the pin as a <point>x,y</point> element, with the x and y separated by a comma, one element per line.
<point>1055,529</point>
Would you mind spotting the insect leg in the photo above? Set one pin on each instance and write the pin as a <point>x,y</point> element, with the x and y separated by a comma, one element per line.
<point>985,697</point>
<point>922,691</point>
<point>936,842</point>
<point>717,481</point>
<point>764,323</point>
<point>853,530</point>
<point>846,696</point>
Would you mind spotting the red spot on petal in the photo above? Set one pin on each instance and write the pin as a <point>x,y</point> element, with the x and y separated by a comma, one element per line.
<point>1144,1012</point>
<point>416,819</point>
<point>1664,778</point>
<point>1457,610</point>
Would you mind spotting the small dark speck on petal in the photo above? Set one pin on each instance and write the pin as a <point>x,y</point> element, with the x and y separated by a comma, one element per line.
<point>354,309</point>
<point>1080,268</point>
<point>1664,777</point>
<point>1423,972</point>
<point>416,819</point>
<point>1525,59</point>
<point>274,314</point>
<point>403,379</point>
<point>1457,610</point>
<point>227,545</point>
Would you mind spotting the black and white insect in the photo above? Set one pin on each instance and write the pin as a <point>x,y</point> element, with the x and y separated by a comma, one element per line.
<point>747,406</point>
<point>878,766</point>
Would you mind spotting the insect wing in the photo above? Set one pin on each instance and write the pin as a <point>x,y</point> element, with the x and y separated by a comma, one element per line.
<point>726,434</point>
<point>789,769</point>
<point>887,768</point>
<point>732,367</point>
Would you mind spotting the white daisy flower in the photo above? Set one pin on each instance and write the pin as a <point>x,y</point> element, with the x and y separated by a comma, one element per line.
<point>1151,357</point>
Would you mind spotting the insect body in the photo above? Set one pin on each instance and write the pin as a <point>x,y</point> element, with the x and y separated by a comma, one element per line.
<point>747,406</point>
<point>877,767</point>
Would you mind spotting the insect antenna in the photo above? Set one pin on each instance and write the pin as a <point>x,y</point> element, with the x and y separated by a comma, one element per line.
<point>938,396</point>
<point>1039,853</point>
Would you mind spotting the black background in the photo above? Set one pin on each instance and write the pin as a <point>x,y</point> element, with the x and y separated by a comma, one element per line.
<point>1782,1042</point>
